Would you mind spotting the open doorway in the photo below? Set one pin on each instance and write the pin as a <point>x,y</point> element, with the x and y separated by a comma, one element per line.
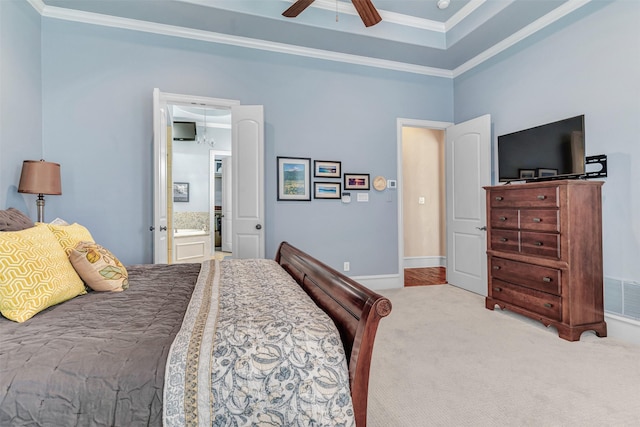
<point>221,203</point>
<point>424,206</point>
<point>247,146</point>
<point>201,142</point>
<point>467,169</point>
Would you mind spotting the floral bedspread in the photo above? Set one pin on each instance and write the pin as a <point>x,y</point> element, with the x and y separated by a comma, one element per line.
<point>255,350</point>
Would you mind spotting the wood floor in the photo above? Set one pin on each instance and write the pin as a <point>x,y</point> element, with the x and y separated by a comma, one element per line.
<point>425,276</point>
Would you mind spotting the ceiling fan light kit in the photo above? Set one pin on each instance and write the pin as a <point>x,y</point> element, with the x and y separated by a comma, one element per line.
<point>365,8</point>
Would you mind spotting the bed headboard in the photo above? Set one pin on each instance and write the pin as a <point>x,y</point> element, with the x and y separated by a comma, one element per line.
<point>355,309</point>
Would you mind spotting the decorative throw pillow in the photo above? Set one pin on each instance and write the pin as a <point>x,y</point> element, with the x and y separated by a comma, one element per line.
<point>35,273</point>
<point>70,235</point>
<point>99,268</point>
<point>14,220</point>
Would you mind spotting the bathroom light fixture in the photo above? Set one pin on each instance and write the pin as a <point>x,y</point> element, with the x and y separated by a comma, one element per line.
<point>40,177</point>
<point>443,4</point>
<point>204,139</point>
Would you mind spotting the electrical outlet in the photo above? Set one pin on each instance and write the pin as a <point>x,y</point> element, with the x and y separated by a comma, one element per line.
<point>346,266</point>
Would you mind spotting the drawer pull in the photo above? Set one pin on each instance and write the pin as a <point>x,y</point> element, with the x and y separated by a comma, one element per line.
<point>499,198</point>
<point>548,305</point>
<point>503,218</point>
<point>546,279</point>
<point>537,220</point>
<point>497,289</point>
<point>504,239</point>
<point>538,243</point>
<point>542,197</point>
<point>496,267</point>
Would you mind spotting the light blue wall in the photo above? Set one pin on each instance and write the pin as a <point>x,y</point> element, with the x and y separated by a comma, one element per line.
<point>97,105</point>
<point>590,67</point>
<point>20,100</point>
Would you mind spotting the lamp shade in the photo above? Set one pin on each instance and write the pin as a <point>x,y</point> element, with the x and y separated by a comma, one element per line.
<point>40,177</point>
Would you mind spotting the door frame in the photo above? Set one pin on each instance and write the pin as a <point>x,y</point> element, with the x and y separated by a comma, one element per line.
<point>160,160</point>
<point>414,123</point>
<point>212,193</point>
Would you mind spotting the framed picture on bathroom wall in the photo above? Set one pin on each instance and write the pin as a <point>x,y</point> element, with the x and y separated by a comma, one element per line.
<point>180,192</point>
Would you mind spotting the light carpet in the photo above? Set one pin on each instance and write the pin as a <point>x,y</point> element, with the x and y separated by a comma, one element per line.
<point>442,359</point>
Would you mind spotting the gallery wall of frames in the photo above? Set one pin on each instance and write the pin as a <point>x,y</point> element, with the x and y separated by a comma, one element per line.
<point>300,179</point>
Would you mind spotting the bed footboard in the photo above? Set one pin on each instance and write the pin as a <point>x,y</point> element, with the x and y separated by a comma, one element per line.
<point>355,309</point>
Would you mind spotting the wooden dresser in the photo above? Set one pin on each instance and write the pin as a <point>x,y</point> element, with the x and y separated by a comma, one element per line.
<point>544,248</point>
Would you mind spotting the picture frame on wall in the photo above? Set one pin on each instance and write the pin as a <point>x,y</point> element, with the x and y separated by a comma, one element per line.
<point>326,169</point>
<point>527,173</point>
<point>180,192</point>
<point>326,190</point>
<point>294,178</point>
<point>356,181</point>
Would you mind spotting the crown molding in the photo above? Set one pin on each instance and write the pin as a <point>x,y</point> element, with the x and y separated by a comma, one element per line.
<point>467,10</point>
<point>37,5</point>
<point>517,37</point>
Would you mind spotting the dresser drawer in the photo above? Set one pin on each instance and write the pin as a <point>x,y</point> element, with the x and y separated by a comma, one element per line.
<point>540,244</point>
<point>535,301</point>
<point>543,197</point>
<point>539,219</point>
<point>533,276</point>
<point>505,240</point>
<point>504,218</point>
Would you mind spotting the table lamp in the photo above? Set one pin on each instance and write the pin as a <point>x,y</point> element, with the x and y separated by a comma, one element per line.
<point>40,177</point>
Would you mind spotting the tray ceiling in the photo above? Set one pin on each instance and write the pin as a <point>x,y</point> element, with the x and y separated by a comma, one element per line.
<point>414,35</point>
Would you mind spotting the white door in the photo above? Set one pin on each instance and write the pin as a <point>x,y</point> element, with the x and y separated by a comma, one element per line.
<point>247,140</point>
<point>159,227</point>
<point>468,169</point>
<point>227,217</point>
<point>161,100</point>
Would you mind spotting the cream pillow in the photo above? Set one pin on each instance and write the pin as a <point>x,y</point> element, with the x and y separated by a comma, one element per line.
<point>70,235</point>
<point>99,268</point>
<point>35,273</point>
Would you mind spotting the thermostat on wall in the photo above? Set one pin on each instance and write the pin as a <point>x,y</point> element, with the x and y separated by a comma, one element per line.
<point>392,184</point>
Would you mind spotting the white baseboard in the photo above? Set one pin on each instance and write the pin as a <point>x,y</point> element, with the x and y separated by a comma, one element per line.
<point>383,281</point>
<point>425,261</point>
<point>623,328</point>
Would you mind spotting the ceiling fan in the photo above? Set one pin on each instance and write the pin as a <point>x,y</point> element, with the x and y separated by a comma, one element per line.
<point>365,8</point>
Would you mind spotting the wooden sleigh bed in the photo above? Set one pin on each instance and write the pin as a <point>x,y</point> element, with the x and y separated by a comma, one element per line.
<point>107,358</point>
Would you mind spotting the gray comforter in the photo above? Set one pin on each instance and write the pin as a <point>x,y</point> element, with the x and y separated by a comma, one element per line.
<point>98,359</point>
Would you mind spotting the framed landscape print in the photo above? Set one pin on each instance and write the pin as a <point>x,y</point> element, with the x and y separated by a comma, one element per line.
<point>294,178</point>
<point>326,190</point>
<point>547,172</point>
<point>326,169</point>
<point>527,173</point>
<point>356,181</point>
<point>180,191</point>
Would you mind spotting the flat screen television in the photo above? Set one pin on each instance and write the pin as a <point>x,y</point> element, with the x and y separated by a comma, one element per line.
<point>184,131</point>
<point>550,151</point>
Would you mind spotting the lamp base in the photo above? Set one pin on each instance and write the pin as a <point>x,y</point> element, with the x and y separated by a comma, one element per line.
<point>40,204</point>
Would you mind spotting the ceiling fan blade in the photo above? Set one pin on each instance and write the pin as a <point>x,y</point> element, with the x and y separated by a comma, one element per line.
<point>297,8</point>
<point>367,12</point>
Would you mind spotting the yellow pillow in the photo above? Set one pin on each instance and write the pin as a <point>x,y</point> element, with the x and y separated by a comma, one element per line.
<point>99,268</point>
<point>35,273</point>
<point>70,235</point>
